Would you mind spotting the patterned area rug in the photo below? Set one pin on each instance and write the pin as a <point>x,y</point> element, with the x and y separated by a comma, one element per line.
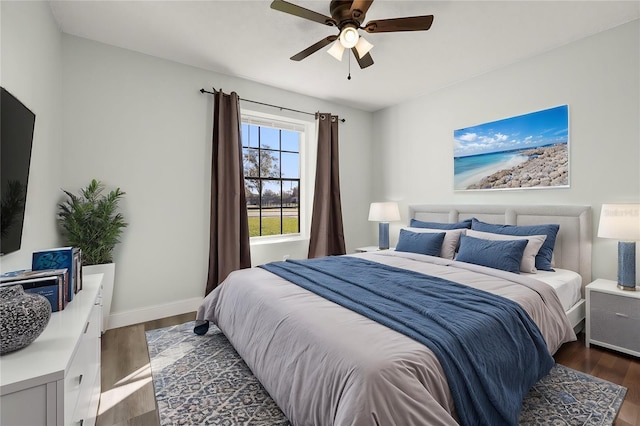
<point>202,380</point>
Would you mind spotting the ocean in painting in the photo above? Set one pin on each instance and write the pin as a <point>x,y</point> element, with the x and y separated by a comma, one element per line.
<point>471,169</point>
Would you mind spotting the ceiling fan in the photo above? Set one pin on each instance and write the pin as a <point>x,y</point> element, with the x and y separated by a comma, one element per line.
<point>348,16</point>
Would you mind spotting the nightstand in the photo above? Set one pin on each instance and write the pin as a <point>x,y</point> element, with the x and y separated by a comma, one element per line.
<point>369,248</point>
<point>613,317</point>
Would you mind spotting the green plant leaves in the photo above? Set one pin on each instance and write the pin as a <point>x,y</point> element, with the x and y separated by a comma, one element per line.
<point>91,221</point>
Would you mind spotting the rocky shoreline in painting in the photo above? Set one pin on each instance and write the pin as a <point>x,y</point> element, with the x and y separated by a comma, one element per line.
<point>546,166</point>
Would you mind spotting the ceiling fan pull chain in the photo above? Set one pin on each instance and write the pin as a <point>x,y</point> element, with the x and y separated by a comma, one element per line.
<point>349,76</point>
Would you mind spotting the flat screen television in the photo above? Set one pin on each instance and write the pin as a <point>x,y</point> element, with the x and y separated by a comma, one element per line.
<point>16,138</point>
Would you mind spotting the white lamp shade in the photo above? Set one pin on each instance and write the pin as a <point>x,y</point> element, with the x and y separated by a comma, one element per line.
<point>384,212</point>
<point>620,222</point>
<point>363,47</point>
<point>336,50</point>
<point>349,37</point>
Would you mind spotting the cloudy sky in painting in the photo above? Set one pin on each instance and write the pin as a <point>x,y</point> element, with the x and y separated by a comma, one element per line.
<point>547,127</point>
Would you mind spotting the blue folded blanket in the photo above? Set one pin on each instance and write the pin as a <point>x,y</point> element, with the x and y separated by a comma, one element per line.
<point>490,350</point>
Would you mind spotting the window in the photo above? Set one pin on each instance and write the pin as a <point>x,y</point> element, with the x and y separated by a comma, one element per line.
<point>271,152</point>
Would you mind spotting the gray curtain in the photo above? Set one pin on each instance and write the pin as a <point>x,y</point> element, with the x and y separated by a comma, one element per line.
<point>229,248</point>
<point>327,236</point>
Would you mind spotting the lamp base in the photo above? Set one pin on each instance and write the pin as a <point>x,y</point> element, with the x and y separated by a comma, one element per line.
<point>627,265</point>
<point>383,235</point>
<point>623,287</point>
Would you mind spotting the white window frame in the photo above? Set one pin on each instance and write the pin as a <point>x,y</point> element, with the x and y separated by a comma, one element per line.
<point>307,168</point>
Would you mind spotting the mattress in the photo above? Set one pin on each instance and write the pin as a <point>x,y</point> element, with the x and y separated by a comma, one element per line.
<point>567,284</point>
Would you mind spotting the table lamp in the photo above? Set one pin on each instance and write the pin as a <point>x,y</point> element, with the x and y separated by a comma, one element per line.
<point>622,222</point>
<point>383,213</point>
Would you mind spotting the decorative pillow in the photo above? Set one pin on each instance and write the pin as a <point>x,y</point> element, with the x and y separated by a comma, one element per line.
<point>505,255</point>
<point>415,223</point>
<point>450,243</point>
<point>528,263</point>
<point>421,243</point>
<point>543,258</point>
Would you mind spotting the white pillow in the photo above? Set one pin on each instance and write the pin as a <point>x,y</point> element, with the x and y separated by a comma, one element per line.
<point>528,263</point>
<point>451,239</point>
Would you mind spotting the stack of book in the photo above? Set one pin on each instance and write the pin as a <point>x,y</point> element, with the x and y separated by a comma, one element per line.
<point>69,258</point>
<point>55,274</point>
<point>52,284</point>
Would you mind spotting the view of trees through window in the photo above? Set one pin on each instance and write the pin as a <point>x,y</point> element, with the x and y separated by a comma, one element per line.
<point>271,159</point>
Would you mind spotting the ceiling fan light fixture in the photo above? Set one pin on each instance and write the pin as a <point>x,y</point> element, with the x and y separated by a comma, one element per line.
<point>349,36</point>
<point>363,47</point>
<point>336,50</point>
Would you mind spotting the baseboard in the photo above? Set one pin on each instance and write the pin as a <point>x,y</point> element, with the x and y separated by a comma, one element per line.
<point>122,319</point>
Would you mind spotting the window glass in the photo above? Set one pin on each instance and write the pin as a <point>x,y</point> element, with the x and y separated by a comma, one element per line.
<point>271,160</point>
<point>290,165</point>
<point>269,138</point>
<point>290,141</point>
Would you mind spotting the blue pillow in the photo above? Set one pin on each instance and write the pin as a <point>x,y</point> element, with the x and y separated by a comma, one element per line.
<point>543,258</point>
<point>497,254</point>
<point>421,243</point>
<point>465,224</point>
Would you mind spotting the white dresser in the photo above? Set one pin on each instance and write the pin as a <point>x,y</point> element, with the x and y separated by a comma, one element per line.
<point>56,379</point>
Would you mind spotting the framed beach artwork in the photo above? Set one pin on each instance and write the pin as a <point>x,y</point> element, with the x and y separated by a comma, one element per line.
<point>526,151</point>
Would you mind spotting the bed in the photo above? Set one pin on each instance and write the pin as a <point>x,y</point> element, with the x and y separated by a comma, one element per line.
<point>324,364</point>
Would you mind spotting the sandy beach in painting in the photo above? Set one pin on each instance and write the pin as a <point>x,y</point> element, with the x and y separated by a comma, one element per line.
<point>536,167</point>
<point>473,177</point>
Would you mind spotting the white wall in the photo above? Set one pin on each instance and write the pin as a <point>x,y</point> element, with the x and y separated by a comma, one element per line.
<point>31,64</point>
<point>140,123</point>
<point>597,77</point>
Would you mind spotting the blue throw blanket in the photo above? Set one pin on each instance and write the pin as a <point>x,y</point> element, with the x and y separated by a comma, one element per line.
<point>490,350</point>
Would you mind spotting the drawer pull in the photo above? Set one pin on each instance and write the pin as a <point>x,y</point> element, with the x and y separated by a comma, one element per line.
<point>86,328</point>
<point>80,379</point>
<point>622,315</point>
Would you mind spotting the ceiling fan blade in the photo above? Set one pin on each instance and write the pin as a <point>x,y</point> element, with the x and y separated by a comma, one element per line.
<point>359,8</point>
<point>412,23</point>
<point>365,61</point>
<point>314,48</point>
<point>301,12</point>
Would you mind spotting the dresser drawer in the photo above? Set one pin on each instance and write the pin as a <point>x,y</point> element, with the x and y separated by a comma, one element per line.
<point>91,343</point>
<point>615,320</point>
<point>73,381</point>
<point>614,303</point>
<point>80,377</point>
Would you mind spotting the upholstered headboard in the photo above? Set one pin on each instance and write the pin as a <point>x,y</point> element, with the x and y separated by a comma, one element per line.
<point>573,243</point>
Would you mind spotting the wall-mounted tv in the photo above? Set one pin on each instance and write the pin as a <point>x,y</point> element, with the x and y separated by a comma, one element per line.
<point>16,137</point>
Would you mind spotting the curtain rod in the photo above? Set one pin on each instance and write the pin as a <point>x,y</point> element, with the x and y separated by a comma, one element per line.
<point>270,105</point>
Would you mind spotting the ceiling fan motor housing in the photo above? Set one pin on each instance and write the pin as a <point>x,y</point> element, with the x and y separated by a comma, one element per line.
<point>341,13</point>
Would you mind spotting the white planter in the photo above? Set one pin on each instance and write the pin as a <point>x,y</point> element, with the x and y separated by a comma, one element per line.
<point>109,272</point>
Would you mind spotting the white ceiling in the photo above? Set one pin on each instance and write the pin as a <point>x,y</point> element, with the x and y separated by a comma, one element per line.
<point>246,38</point>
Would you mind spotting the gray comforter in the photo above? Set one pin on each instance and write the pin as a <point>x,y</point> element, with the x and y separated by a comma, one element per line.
<point>326,365</point>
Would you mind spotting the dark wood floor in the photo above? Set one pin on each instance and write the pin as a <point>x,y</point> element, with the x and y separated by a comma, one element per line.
<point>128,397</point>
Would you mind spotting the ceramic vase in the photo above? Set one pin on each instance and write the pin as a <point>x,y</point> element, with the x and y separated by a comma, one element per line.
<point>24,317</point>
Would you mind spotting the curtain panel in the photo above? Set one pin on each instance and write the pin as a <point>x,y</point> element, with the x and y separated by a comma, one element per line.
<point>327,235</point>
<point>229,247</point>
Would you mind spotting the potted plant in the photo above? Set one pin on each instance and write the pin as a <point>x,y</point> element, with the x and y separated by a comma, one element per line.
<point>91,221</point>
